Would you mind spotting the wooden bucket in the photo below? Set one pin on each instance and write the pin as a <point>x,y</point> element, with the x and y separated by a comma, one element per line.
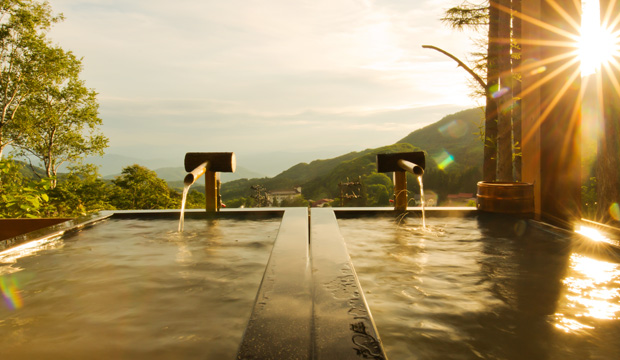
<point>506,197</point>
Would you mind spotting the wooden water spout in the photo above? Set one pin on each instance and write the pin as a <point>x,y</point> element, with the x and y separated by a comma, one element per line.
<point>400,164</point>
<point>209,165</point>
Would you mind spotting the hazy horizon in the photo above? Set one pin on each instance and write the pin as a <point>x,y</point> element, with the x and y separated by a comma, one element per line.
<point>254,77</point>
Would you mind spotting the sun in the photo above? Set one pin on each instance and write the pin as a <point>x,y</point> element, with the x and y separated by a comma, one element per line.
<point>598,45</point>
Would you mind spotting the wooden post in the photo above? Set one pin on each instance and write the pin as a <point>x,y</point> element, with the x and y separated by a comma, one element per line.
<point>505,95</point>
<point>551,106</point>
<point>531,72</point>
<point>398,163</point>
<point>560,119</point>
<point>215,163</point>
<point>400,190</point>
<point>489,165</point>
<point>211,192</point>
<point>608,157</point>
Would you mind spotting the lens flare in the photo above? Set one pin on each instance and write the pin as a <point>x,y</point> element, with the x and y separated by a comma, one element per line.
<point>598,44</point>
<point>532,66</point>
<point>454,129</point>
<point>443,160</point>
<point>10,292</point>
<point>614,211</point>
<point>591,234</point>
<point>497,91</point>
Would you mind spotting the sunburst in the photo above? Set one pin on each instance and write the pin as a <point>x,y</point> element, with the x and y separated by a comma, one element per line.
<point>599,45</point>
<point>590,43</point>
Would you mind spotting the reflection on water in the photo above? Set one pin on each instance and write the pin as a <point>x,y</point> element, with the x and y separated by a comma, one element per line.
<point>135,289</point>
<point>484,288</point>
<point>592,293</point>
<point>10,256</point>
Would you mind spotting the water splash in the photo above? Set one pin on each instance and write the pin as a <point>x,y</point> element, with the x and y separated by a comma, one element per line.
<point>182,219</point>
<point>400,219</point>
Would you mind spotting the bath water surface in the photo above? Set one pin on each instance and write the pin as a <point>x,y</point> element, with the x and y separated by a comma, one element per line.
<point>135,289</point>
<point>470,288</point>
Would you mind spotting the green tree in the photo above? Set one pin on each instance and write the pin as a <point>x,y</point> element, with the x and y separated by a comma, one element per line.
<point>24,59</point>
<point>502,132</point>
<point>379,189</point>
<point>139,188</point>
<point>236,202</point>
<point>377,178</point>
<point>297,201</point>
<point>19,196</point>
<point>195,200</point>
<point>60,121</point>
<point>80,193</point>
<point>378,195</point>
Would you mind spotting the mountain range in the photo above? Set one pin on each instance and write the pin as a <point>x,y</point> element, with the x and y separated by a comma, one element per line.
<point>453,148</point>
<point>452,145</point>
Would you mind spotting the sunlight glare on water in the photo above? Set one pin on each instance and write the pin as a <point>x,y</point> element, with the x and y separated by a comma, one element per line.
<point>592,292</point>
<point>483,287</point>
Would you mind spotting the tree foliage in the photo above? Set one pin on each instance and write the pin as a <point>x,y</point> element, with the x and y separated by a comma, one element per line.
<point>47,112</point>
<point>61,121</point>
<point>297,201</point>
<point>81,192</point>
<point>24,59</point>
<point>140,188</point>
<point>500,62</point>
<point>467,15</point>
<point>20,196</point>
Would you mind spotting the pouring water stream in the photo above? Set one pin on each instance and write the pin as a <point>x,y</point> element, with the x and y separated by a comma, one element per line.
<point>189,179</point>
<point>422,201</point>
<point>182,219</point>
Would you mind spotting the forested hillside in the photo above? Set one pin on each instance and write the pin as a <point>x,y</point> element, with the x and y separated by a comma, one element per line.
<point>457,135</point>
<point>453,165</point>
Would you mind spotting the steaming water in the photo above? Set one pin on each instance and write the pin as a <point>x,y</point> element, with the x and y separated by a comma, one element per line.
<point>132,289</point>
<point>477,289</point>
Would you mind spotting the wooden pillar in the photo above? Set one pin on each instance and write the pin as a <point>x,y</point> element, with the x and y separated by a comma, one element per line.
<point>608,157</point>
<point>560,118</point>
<point>211,192</point>
<point>505,96</point>
<point>400,190</point>
<point>516,90</point>
<point>551,107</point>
<point>489,165</point>
<point>531,72</point>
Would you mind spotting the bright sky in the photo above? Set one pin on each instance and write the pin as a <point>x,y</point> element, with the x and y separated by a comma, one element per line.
<point>255,76</point>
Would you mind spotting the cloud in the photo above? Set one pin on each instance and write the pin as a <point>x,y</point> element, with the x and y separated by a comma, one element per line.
<point>280,74</point>
<point>166,131</point>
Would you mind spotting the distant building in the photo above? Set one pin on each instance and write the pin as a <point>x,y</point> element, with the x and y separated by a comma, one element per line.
<point>322,203</point>
<point>276,196</point>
